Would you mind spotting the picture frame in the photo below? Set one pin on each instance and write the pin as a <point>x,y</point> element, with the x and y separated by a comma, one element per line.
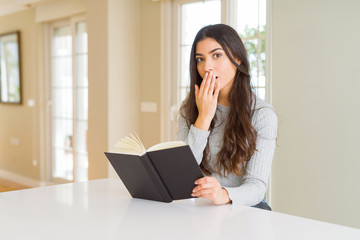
<point>10,68</point>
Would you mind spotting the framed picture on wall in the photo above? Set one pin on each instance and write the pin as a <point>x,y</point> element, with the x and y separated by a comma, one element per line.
<point>10,68</point>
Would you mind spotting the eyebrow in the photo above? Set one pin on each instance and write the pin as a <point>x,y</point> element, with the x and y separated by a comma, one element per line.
<point>199,54</point>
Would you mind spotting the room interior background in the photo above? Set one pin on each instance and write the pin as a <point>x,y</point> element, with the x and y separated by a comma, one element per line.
<point>315,90</point>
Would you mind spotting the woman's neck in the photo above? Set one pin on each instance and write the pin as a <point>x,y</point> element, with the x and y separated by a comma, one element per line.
<point>223,99</point>
<point>224,93</point>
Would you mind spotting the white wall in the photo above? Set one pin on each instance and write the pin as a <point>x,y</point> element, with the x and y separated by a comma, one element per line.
<point>316,84</point>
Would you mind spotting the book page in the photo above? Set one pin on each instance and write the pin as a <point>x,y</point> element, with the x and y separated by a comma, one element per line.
<point>166,145</point>
<point>130,145</point>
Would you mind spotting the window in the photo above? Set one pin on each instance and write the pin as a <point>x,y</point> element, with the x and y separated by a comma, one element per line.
<point>248,17</point>
<point>69,101</point>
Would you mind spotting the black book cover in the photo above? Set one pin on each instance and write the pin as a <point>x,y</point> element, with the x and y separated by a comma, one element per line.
<point>162,175</point>
<point>179,170</point>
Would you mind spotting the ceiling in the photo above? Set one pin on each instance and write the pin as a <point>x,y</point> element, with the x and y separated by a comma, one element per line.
<point>13,6</point>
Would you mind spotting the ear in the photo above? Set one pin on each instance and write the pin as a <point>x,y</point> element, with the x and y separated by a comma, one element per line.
<point>238,61</point>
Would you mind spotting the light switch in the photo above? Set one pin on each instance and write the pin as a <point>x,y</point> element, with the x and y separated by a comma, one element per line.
<point>14,141</point>
<point>31,102</point>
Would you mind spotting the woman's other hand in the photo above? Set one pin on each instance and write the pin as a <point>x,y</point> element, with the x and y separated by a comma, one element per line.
<point>206,100</point>
<point>209,187</point>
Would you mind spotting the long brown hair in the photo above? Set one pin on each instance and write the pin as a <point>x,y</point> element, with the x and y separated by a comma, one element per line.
<point>239,141</point>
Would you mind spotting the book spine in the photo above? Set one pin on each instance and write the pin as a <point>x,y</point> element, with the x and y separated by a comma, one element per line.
<point>159,183</point>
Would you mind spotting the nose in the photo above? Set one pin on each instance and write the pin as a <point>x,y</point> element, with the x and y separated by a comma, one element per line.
<point>209,66</point>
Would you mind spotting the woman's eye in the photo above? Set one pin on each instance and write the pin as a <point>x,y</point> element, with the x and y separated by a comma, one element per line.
<point>199,59</point>
<point>217,55</point>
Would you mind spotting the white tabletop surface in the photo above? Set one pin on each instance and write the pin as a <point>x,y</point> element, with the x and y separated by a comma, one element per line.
<point>102,209</point>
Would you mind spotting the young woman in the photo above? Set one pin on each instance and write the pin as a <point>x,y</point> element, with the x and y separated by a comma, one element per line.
<point>230,131</point>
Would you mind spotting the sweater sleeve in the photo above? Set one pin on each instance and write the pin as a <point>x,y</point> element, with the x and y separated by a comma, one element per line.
<point>194,137</point>
<point>255,181</point>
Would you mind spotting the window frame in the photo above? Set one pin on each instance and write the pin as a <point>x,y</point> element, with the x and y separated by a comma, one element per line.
<point>49,27</point>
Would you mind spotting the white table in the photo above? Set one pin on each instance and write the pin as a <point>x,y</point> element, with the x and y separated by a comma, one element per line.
<point>102,209</point>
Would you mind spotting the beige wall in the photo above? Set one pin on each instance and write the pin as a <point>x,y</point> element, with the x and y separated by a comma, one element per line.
<point>316,82</point>
<point>97,12</point>
<point>28,124</point>
<point>123,70</point>
<point>150,83</point>
<point>21,121</point>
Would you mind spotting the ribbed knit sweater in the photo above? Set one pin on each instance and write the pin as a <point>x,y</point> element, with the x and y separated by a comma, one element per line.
<point>250,188</point>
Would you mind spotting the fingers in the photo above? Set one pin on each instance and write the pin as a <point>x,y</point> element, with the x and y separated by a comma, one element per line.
<point>212,85</point>
<point>210,188</point>
<point>205,180</point>
<point>206,101</point>
<point>207,82</point>
<point>206,193</point>
<point>203,83</point>
<point>205,186</point>
<point>217,89</point>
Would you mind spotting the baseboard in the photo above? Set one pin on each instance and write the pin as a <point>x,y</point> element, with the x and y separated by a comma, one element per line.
<point>14,177</point>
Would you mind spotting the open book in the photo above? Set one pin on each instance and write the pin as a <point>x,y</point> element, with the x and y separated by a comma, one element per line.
<point>133,145</point>
<point>164,172</point>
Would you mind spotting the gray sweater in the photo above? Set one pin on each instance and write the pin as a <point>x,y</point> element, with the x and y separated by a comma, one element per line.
<point>250,188</point>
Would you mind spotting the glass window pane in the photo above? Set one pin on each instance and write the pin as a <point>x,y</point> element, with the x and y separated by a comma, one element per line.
<point>247,15</point>
<point>62,72</point>
<point>251,48</point>
<point>82,166</point>
<point>195,15</point>
<point>81,136</point>
<point>183,93</point>
<point>188,12</point>
<point>63,164</point>
<point>62,149</point>
<point>82,70</point>
<point>62,103</point>
<point>261,81</point>
<point>63,137</point>
<point>254,81</point>
<point>184,68</point>
<point>260,92</point>
<point>81,38</point>
<point>262,55</point>
<point>262,13</point>
<point>82,104</point>
<point>62,41</point>
<point>250,22</point>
